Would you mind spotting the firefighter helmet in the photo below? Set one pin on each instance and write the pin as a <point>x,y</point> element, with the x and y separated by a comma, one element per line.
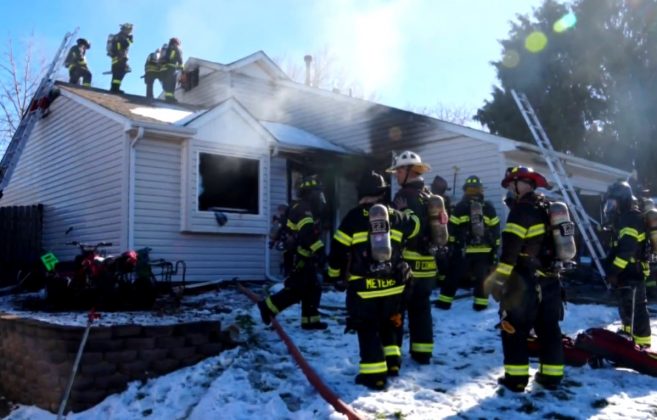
<point>524,173</point>
<point>174,41</point>
<point>472,181</point>
<point>621,193</point>
<point>439,185</point>
<point>83,42</point>
<point>309,183</point>
<point>408,158</point>
<point>126,26</point>
<point>371,184</point>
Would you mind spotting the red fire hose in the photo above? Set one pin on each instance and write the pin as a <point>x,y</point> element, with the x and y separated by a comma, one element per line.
<point>312,376</point>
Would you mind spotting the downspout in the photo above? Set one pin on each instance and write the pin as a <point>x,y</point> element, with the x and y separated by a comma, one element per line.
<point>131,186</point>
<point>268,274</point>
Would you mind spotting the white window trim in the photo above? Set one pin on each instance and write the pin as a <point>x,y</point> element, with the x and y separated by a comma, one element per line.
<point>196,221</point>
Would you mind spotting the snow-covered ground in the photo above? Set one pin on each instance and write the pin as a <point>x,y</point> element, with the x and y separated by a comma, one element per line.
<point>260,380</point>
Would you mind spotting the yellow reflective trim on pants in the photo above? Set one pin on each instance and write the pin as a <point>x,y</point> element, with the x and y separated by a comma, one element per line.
<point>373,368</point>
<point>642,341</point>
<point>422,347</point>
<point>620,263</point>
<point>333,272</point>
<point>271,306</point>
<point>392,351</point>
<point>652,283</point>
<point>381,293</point>
<point>551,370</point>
<point>342,237</point>
<point>446,299</point>
<point>481,301</point>
<point>626,329</point>
<point>310,319</point>
<point>504,269</point>
<point>516,370</point>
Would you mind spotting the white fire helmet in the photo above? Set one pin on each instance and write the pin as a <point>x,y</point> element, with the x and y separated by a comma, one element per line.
<point>408,158</point>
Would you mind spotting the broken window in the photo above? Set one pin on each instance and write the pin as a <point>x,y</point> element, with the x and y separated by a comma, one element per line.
<point>228,183</point>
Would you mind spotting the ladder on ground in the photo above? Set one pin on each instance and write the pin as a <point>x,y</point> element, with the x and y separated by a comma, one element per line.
<point>562,180</point>
<point>32,113</point>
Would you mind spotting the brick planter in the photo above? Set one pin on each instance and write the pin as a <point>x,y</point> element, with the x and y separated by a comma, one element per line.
<point>36,358</point>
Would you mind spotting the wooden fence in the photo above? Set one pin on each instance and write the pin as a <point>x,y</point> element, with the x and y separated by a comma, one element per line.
<point>20,240</point>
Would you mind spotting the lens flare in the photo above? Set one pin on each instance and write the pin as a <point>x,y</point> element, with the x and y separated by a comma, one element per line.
<point>566,22</point>
<point>536,41</point>
<point>511,59</point>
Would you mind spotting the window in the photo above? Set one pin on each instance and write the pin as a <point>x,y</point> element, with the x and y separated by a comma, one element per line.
<point>228,183</point>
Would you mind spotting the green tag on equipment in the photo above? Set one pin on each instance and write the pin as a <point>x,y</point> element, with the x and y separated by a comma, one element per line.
<point>49,260</point>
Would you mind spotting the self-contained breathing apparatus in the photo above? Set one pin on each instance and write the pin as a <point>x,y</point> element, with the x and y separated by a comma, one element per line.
<point>563,235</point>
<point>380,243</point>
<point>438,219</point>
<point>477,225</point>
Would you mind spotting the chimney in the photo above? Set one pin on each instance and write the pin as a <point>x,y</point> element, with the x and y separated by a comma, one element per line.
<point>308,59</point>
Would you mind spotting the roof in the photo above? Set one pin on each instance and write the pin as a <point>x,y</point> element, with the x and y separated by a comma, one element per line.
<point>297,139</point>
<point>136,108</point>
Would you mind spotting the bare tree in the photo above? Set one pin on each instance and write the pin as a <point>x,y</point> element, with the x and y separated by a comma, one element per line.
<point>325,73</point>
<point>19,79</point>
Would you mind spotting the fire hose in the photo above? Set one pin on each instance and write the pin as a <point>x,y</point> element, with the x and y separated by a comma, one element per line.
<point>314,379</point>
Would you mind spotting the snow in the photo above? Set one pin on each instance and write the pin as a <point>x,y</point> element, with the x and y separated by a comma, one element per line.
<point>259,379</point>
<point>168,115</point>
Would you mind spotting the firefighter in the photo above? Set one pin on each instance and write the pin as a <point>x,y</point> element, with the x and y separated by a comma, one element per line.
<point>439,187</point>
<point>172,61</point>
<point>474,238</point>
<point>413,198</point>
<point>527,285</point>
<point>77,63</point>
<point>627,265</point>
<point>302,285</point>
<point>119,47</point>
<point>366,259</point>
<point>152,70</point>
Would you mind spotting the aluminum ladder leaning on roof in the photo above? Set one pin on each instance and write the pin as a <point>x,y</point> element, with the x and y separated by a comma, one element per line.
<point>30,115</point>
<point>566,188</point>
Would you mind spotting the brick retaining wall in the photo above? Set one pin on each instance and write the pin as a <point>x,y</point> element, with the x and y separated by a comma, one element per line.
<point>36,358</point>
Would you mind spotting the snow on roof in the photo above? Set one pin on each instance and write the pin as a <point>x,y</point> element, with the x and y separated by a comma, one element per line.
<point>297,138</point>
<point>167,115</point>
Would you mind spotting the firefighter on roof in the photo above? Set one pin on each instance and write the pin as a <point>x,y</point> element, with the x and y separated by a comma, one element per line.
<point>527,285</point>
<point>172,61</point>
<point>627,264</point>
<point>118,51</point>
<point>77,63</point>
<point>152,70</point>
<point>474,230</point>
<point>413,197</point>
<point>302,285</point>
<point>366,259</point>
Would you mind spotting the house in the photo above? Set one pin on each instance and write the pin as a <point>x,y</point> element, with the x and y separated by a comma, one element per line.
<point>142,173</point>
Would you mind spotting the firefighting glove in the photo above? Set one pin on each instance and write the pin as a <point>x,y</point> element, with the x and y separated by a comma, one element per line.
<point>495,284</point>
<point>340,285</point>
<point>404,272</point>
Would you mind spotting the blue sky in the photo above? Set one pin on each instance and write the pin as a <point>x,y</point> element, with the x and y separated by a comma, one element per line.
<point>409,53</point>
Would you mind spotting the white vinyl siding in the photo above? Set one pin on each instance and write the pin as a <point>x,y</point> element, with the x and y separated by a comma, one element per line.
<point>74,163</point>
<point>279,194</point>
<point>158,214</point>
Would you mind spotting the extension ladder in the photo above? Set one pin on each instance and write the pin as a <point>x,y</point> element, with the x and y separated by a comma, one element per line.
<point>31,114</point>
<point>562,180</point>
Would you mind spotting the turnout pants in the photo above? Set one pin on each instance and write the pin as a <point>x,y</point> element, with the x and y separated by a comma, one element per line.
<point>531,302</point>
<point>634,292</point>
<point>119,70</point>
<point>149,78</point>
<point>302,285</point>
<point>474,267</point>
<point>77,72</point>
<point>169,83</point>
<point>373,321</point>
